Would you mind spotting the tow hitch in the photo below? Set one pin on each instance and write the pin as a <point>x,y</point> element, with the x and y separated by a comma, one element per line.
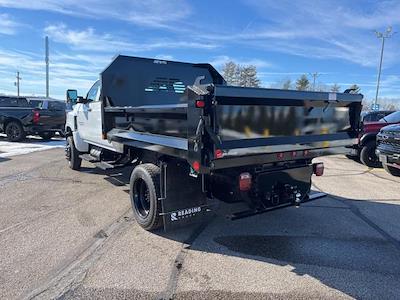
<point>249,213</point>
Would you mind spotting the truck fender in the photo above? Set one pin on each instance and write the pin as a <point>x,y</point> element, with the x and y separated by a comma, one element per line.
<point>80,144</point>
<point>366,138</point>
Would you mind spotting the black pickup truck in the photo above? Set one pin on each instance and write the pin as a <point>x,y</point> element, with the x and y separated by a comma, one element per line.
<point>388,148</point>
<point>20,116</point>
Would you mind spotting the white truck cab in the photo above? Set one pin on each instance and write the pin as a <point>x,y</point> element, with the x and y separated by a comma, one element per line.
<point>84,120</point>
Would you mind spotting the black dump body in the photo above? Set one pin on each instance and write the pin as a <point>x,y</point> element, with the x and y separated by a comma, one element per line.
<point>152,104</point>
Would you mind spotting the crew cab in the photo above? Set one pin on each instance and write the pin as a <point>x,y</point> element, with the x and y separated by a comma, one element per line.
<point>193,140</point>
<point>21,116</point>
<point>388,148</point>
<point>365,147</point>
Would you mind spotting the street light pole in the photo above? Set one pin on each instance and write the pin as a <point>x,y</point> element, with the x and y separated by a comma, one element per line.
<point>387,34</point>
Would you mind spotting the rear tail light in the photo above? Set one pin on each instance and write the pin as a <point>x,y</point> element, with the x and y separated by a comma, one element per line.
<point>196,166</point>
<point>280,155</point>
<point>306,152</point>
<point>200,104</point>
<point>318,169</point>
<point>36,116</point>
<point>245,182</point>
<point>218,153</point>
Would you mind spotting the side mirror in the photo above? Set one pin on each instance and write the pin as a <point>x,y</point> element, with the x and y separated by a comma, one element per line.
<point>72,96</point>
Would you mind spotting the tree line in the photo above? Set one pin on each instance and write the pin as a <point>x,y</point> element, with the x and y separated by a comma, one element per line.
<point>247,76</point>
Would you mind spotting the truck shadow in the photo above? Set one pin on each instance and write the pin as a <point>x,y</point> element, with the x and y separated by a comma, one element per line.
<point>337,244</point>
<point>348,245</point>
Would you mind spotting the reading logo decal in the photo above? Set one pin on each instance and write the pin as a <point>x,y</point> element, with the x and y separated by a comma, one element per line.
<point>185,213</point>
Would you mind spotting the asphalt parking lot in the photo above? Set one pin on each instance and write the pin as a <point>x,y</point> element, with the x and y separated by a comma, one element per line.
<point>71,235</point>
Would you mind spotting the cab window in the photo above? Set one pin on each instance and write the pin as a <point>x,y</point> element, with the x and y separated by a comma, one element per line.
<point>92,94</point>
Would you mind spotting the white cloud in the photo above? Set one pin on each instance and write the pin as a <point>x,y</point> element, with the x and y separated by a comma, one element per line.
<point>7,25</point>
<point>327,30</point>
<point>89,40</point>
<point>219,61</point>
<point>152,13</point>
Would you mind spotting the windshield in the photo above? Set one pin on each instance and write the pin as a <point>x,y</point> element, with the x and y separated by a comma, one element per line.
<point>392,118</point>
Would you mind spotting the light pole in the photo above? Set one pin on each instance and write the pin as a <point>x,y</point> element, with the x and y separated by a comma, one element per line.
<point>382,35</point>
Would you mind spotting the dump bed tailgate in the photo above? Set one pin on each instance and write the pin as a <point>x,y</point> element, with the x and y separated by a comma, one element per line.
<point>249,122</point>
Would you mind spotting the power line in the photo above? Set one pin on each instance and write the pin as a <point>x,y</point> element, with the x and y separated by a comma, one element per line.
<point>16,83</point>
<point>47,65</point>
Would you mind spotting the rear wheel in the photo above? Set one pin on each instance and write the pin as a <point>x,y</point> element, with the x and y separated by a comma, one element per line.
<point>144,194</point>
<point>15,132</point>
<point>72,154</point>
<point>368,156</point>
<point>391,170</point>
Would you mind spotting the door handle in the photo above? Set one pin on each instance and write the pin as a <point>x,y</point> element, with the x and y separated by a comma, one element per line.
<point>89,109</point>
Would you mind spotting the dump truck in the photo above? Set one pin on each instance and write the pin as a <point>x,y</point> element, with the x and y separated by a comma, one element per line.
<point>193,140</point>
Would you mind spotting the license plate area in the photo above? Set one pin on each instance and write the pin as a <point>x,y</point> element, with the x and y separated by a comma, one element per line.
<point>280,187</point>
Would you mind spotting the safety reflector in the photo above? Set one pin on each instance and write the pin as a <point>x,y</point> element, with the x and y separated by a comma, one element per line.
<point>245,181</point>
<point>318,169</point>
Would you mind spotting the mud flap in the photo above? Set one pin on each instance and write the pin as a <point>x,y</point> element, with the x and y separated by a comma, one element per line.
<point>183,200</point>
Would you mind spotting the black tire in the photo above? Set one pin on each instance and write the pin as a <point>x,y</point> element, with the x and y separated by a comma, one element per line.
<point>391,170</point>
<point>46,135</point>
<point>15,132</point>
<point>144,194</point>
<point>72,154</point>
<point>368,156</point>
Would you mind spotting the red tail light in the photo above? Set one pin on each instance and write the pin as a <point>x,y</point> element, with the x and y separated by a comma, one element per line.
<point>280,155</point>
<point>36,116</point>
<point>200,104</point>
<point>306,152</point>
<point>245,182</point>
<point>318,169</point>
<point>196,166</point>
<point>218,153</point>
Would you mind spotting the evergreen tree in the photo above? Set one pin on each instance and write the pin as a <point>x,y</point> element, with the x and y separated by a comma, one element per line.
<point>302,84</point>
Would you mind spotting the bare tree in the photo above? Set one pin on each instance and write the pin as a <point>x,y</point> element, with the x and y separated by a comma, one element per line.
<point>287,84</point>
<point>245,76</point>
<point>335,88</point>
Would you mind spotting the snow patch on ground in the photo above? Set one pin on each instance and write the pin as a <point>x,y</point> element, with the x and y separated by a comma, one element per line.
<point>32,144</point>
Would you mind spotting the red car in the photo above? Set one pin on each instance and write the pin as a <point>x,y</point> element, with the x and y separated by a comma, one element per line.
<point>366,146</point>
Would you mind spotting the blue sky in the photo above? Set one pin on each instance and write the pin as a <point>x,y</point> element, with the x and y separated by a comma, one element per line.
<point>282,38</point>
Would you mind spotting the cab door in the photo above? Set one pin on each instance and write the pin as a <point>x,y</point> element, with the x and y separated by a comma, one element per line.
<point>89,113</point>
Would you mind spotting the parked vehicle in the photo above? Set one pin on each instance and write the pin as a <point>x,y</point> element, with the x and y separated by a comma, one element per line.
<point>191,138</point>
<point>374,116</point>
<point>364,149</point>
<point>388,148</point>
<point>20,116</point>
